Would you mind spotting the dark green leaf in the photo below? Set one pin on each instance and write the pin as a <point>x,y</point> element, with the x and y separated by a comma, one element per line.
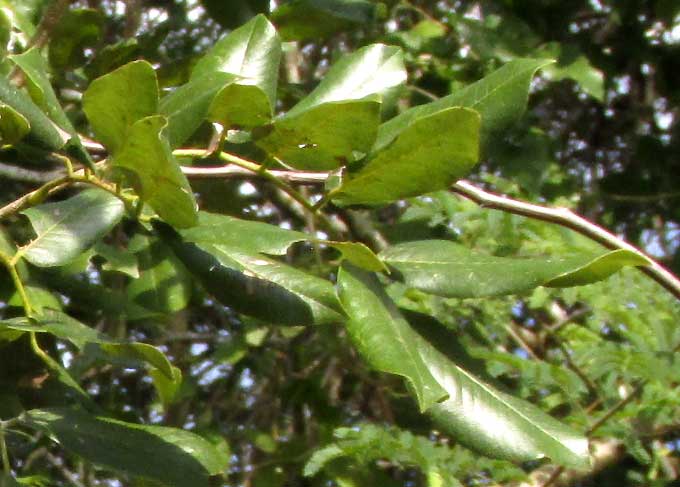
<point>253,236</point>
<point>311,19</point>
<point>186,107</point>
<point>500,98</point>
<point>161,182</point>
<point>472,411</point>
<point>164,285</point>
<point>428,155</point>
<point>118,99</point>
<point>68,228</point>
<point>448,269</point>
<point>76,30</point>
<point>383,337</point>
<point>371,70</point>
<point>118,260</point>
<point>251,52</point>
<point>325,136</point>
<point>13,125</point>
<point>172,456</point>
<point>6,480</point>
<point>256,285</point>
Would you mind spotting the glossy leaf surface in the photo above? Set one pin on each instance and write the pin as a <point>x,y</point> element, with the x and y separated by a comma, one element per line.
<point>429,155</point>
<point>383,337</point>
<point>67,228</point>
<point>256,285</point>
<point>452,270</point>
<point>168,455</point>
<point>118,99</point>
<point>162,184</point>
<point>500,98</point>
<point>475,413</point>
<point>326,136</point>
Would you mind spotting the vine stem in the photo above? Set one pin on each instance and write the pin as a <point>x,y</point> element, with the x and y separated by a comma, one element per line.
<point>559,216</point>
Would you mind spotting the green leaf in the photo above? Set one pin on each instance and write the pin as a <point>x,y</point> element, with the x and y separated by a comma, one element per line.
<point>175,457</point>
<point>118,99</point>
<point>383,337</point>
<point>135,354</point>
<point>6,480</point>
<point>428,155</point>
<point>167,387</point>
<point>43,130</point>
<point>449,269</point>
<point>36,69</point>
<point>573,64</point>
<point>163,286</point>
<point>325,136</point>
<point>252,53</point>
<point>118,260</point>
<point>68,228</point>
<point>161,182</point>
<point>500,98</point>
<point>186,107</point>
<point>371,70</point>
<point>312,19</point>
<point>476,414</point>
<point>256,285</point>
<point>13,125</point>
<point>76,30</point>
<point>254,236</point>
<point>240,106</point>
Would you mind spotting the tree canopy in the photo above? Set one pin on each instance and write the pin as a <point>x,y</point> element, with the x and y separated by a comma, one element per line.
<point>339,243</point>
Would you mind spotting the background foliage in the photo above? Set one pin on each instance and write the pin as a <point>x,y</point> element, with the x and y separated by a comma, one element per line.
<point>212,349</point>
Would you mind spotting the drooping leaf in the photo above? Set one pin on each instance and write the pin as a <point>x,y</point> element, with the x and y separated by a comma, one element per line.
<point>173,456</point>
<point>13,125</point>
<point>429,155</point>
<point>43,130</point>
<point>500,98</point>
<point>254,236</point>
<point>325,136</point>
<point>162,184</point>
<point>476,414</point>
<point>67,228</point>
<point>449,269</point>
<point>163,286</point>
<point>256,285</point>
<point>371,70</point>
<point>118,99</point>
<point>383,337</point>
<point>311,19</point>
<point>252,53</point>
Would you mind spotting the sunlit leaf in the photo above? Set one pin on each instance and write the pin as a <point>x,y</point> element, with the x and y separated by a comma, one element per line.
<point>449,269</point>
<point>67,228</point>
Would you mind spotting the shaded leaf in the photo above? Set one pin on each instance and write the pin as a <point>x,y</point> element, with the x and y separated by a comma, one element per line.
<point>325,136</point>
<point>13,125</point>
<point>172,456</point>
<point>452,270</point>
<point>430,154</point>
<point>68,228</point>
<point>118,99</point>
<point>186,107</point>
<point>311,19</point>
<point>163,286</point>
<point>43,130</point>
<point>76,30</point>
<point>383,337</point>
<point>256,285</point>
<point>500,98</point>
<point>240,106</point>
<point>118,260</point>
<point>161,182</point>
